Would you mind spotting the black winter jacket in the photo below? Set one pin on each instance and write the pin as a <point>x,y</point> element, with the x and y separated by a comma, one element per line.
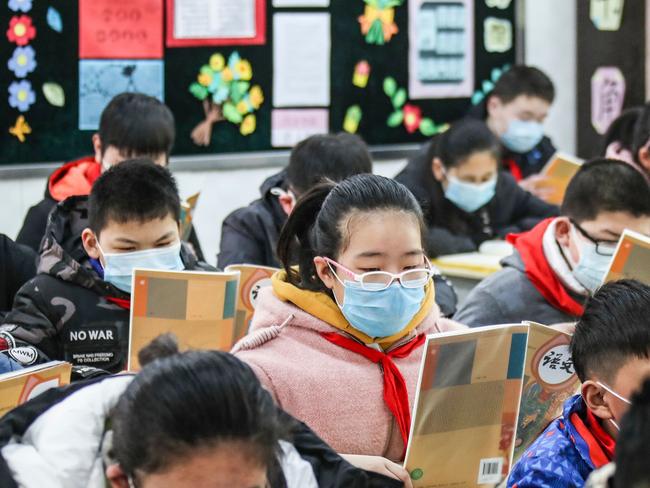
<point>17,266</point>
<point>452,230</point>
<point>66,312</point>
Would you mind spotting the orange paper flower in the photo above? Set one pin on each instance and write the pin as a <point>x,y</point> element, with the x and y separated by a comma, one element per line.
<point>21,30</point>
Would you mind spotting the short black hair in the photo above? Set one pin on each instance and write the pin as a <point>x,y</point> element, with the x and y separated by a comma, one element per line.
<point>633,443</point>
<point>523,80</point>
<point>641,130</point>
<point>622,129</point>
<point>332,156</point>
<point>136,189</point>
<point>606,185</point>
<point>137,125</point>
<point>613,329</point>
<point>461,140</point>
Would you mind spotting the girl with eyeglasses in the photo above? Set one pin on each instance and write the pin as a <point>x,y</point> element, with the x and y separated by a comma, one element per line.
<point>337,340</point>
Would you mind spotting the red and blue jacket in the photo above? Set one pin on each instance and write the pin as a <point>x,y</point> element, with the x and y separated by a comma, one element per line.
<point>566,453</point>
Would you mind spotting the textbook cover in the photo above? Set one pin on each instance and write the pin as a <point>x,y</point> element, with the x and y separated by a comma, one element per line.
<point>483,396</point>
<point>187,214</point>
<point>253,279</point>
<point>17,387</point>
<point>197,307</point>
<point>558,171</point>
<point>631,259</point>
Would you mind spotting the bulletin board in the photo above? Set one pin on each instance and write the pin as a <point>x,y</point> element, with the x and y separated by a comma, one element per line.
<point>246,75</point>
<point>611,76</point>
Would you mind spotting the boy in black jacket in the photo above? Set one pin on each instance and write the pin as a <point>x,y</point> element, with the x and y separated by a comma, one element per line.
<point>77,308</point>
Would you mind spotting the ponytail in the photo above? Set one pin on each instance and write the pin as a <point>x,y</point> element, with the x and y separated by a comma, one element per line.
<point>461,140</point>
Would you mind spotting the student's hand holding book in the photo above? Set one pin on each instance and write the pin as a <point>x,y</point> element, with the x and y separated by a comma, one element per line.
<point>536,184</point>
<point>381,465</point>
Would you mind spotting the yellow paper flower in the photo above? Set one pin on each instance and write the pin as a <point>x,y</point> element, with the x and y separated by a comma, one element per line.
<point>244,70</point>
<point>20,128</point>
<point>242,107</point>
<point>256,97</point>
<point>205,79</point>
<point>217,62</point>
<point>248,125</point>
<point>226,74</point>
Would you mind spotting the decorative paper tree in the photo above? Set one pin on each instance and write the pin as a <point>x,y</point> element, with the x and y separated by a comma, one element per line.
<point>227,94</point>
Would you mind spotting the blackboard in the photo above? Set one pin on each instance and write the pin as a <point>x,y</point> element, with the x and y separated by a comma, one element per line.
<point>54,130</point>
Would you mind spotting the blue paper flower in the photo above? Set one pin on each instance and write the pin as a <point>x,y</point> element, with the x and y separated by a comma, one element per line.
<point>20,5</point>
<point>23,61</point>
<point>21,95</point>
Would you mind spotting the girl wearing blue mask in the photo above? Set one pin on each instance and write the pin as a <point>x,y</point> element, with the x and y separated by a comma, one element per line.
<point>338,338</point>
<point>466,199</point>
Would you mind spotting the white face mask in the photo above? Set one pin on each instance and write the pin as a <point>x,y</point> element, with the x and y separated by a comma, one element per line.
<point>620,397</point>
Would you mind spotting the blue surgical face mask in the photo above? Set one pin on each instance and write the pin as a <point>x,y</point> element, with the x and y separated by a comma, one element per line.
<point>522,136</point>
<point>118,267</point>
<point>470,196</point>
<point>591,268</point>
<point>380,313</point>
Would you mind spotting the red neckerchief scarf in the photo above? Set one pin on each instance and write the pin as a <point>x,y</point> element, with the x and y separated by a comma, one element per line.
<point>120,302</point>
<point>539,271</point>
<point>395,392</point>
<point>601,444</point>
<point>511,165</point>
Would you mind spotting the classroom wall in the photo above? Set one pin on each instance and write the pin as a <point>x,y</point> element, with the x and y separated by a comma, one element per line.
<point>550,44</point>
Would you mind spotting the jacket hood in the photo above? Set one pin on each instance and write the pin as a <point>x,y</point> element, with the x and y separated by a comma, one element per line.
<point>74,178</point>
<point>63,256</point>
<point>273,181</point>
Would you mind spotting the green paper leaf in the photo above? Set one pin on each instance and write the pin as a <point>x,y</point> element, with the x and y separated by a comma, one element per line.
<point>54,94</point>
<point>206,70</point>
<point>395,119</point>
<point>390,86</point>
<point>427,127</point>
<point>198,90</point>
<point>231,114</point>
<point>399,99</point>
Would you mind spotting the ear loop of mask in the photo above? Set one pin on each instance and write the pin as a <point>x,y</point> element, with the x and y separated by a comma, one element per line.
<point>620,397</point>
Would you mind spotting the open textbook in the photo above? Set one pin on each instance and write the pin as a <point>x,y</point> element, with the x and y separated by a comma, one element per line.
<point>631,259</point>
<point>483,396</point>
<point>197,307</point>
<point>188,206</point>
<point>22,385</point>
<point>253,279</point>
<point>558,172</point>
<point>474,265</point>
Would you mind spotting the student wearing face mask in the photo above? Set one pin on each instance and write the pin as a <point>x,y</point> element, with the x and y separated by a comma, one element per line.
<point>338,340</point>
<point>561,261</point>
<point>611,355</point>
<point>514,111</point>
<point>466,199</point>
<point>77,307</point>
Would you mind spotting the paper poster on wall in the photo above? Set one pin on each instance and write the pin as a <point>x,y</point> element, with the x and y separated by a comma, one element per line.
<point>130,29</point>
<point>101,80</point>
<point>606,15</point>
<point>607,96</point>
<point>441,53</point>
<point>290,126</point>
<point>301,3</point>
<point>215,23</point>
<point>497,35</point>
<point>502,4</point>
<point>301,60</point>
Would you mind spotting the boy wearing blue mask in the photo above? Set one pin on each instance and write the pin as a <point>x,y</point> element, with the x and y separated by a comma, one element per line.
<point>561,261</point>
<point>77,308</point>
<point>611,355</point>
<point>514,111</point>
<point>466,199</point>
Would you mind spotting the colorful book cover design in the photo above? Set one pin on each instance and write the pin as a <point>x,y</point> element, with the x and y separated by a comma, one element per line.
<point>21,386</point>
<point>549,380</point>
<point>198,308</point>
<point>253,279</point>
<point>466,408</point>
<point>559,171</point>
<point>632,258</point>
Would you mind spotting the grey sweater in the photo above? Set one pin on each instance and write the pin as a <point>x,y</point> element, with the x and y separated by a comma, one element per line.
<point>508,297</point>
